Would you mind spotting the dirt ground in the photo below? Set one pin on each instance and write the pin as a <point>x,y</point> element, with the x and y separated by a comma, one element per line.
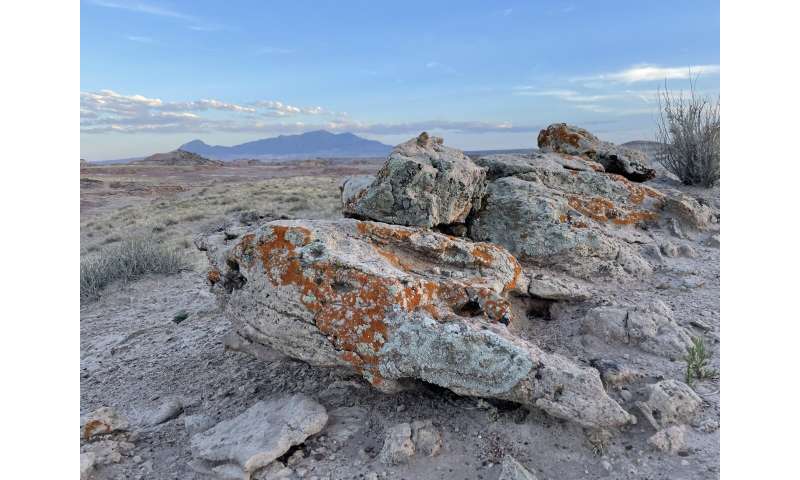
<point>134,355</point>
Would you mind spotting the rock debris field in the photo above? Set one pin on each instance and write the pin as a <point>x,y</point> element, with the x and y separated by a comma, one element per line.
<point>510,316</point>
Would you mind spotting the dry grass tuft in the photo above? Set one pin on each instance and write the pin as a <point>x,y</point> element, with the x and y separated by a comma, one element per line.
<point>128,261</point>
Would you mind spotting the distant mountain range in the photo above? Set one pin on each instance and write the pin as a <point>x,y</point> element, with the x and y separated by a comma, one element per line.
<point>318,143</point>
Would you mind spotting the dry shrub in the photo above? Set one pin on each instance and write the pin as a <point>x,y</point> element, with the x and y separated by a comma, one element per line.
<point>689,132</point>
<point>128,261</point>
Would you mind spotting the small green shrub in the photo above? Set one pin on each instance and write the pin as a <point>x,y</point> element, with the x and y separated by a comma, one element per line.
<point>697,362</point>
<point>127,261</point>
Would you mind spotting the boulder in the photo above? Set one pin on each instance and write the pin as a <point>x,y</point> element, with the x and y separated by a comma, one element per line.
<point>650,327</point>
<point>422,183</point>
<point>169,409</point>
<point>257,437</point>
<point>689,212</point>
<point>551,287</point>
<point>571,140</point>
<point>580,221</point>
<point>397,303</point>
<point>508,164</point>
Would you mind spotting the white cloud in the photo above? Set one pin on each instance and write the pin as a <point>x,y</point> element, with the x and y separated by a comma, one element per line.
<point>138,39</point>
<point>159,11</point>
<point>649,73</point>
<point>107,110</point>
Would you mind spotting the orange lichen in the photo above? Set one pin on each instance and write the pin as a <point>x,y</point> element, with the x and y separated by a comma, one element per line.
<point>349,306</point>
<point>559,133</point>
<point>214,276</point>
<point>601,209</point>
<point>95,425</point>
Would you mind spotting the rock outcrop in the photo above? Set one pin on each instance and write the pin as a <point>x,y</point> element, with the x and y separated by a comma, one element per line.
<point>397,303</point>
<point>386,294</point>
<point>423,183</point>
<point>572,140</point>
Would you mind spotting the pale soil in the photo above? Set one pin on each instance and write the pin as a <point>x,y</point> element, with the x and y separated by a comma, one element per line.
<point>133,355</point>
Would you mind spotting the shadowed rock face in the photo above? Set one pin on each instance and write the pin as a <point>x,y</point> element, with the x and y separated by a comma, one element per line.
<point>397,303</point>
<point>572,140</point>
<point>422,183</point>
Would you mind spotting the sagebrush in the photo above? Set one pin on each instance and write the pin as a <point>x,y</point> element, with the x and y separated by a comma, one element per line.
<point>126,261</point>
<point>689,136</point>
<point>697,362</point>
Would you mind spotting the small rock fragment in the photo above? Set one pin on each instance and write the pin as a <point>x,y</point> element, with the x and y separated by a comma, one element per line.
<point>552,288</point>
<point>669,249</point>
<point>511,469</point>
<point>686,251</point>
<point>264,432</point>
<point>669,440</point>
<point>398,447</point>
<point>713,241</point>
<point>103,420</point>
<point>427,439</point>
<point>672,402</point>
<point>168,410</point>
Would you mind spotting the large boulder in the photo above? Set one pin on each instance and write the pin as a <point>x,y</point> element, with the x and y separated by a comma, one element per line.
<point>397,303</point>
<point>572,140</point>
<point>583,221</point>
<point>422,183</point>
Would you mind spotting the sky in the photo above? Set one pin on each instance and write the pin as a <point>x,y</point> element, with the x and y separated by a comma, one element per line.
<point>484,75</point>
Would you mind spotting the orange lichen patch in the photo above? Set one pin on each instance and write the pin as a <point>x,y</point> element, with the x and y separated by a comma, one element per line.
<point>93,426</point>
<point>563,218</point>
<point>603,210</point>
<point>350,306</point>
<point>511,285</point>
<point>391,258</point>
<point>560,134</point>
<point>637,192</point>
<point>214,276</point>
<point>481,253</point>
<point>384,233</point>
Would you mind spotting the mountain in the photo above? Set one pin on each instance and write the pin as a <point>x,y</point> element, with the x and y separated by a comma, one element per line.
<point>318,143</point>
<point>177,157</point>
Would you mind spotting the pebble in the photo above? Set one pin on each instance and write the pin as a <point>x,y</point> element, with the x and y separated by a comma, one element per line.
<point>606,465</point>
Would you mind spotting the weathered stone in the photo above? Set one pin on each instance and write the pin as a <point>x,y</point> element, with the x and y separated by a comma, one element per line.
<point>344,423</point>
<point>397,303</point>
<point>511,469</point>
<point>713,241</point>
<point>197,423</point>
<point>169,409</point>
<point>669,440</point>
<point>264,432</point>
<point>88,461</point>
<point>613,373</point>
<point>550,287</point>
<point>649,327</point>
<point>578,221</point>
<point>398,447</point>
<point>669,249</point>
<point>426,437</point>
<point>353,187</point>
<point>422,183</point>
<point>572,140</point>
<point>506,165</point>
<point>672,402</point>
<point>688,211</point>
<point>687,251</point>
<point>103,420</point>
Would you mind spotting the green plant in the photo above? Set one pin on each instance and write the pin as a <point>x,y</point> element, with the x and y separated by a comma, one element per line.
<point>697,362</point>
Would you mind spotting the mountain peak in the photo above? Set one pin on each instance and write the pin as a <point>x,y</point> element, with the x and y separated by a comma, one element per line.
<point>316,143</point>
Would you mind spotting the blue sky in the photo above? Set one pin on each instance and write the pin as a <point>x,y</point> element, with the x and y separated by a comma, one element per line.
<point>156,74</point>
